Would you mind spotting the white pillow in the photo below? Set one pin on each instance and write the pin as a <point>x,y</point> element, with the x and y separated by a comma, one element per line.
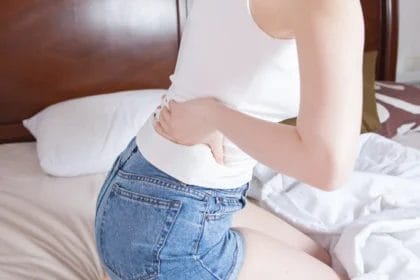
<point>84,135</point>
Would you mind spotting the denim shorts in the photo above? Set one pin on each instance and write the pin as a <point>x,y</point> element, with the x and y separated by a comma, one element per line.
<point>149,225</point>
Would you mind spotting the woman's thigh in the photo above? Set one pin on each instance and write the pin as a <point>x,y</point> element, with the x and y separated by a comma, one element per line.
<point>260,219</point>
<point>268,258</point>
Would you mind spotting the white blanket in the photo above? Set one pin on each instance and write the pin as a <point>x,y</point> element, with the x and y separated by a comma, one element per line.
<point>371,225</point>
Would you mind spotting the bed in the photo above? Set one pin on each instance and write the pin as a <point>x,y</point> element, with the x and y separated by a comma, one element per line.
<point>52,51</point>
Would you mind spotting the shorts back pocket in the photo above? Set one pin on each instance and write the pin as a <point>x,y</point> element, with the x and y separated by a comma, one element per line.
<point>133,230</point>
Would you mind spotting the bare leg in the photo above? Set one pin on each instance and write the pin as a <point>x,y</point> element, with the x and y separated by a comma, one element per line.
<point>268,258</point>
<point>263,221</point>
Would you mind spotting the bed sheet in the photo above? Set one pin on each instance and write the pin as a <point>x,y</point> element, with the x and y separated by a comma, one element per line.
<point>411,139</point>
<point>46,223</point>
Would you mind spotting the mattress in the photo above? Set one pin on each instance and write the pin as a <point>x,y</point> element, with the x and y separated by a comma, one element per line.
<point>46,223</point>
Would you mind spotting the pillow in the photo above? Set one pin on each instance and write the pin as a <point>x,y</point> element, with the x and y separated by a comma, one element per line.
<point>84,135</point>
<point>370,118</point>
<point>398,107</point>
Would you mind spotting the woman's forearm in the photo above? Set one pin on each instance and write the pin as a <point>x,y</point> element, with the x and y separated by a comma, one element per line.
<point>275,145</point>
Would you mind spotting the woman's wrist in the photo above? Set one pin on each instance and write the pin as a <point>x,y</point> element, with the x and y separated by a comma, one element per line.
<point>214,114</point>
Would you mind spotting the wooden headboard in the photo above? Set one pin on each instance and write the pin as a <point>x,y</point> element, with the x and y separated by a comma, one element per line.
<point>381,24</point>
<point>54,50</point>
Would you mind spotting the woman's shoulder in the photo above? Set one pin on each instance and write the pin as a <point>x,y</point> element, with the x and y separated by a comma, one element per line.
<point>324,9</point>
<point>324,14</point>
<point>326,19</point>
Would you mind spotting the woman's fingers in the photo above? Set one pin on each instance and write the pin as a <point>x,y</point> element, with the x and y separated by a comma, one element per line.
<point>214,141</point>
<point>216,146</point>
<point>165,115</point>
<point>159,127</point>
<point>164,121</point>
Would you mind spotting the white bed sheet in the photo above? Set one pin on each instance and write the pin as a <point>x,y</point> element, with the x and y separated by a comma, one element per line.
<point>411,139</point>
<point>46,223</point>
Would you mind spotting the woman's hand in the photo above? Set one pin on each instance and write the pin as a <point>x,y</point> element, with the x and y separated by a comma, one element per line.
<point>190,122</point>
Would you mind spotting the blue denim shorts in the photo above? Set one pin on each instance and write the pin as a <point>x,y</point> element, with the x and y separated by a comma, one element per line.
<point>149,225</point>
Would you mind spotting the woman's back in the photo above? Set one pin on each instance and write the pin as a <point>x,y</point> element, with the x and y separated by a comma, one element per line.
<point>226,55</point>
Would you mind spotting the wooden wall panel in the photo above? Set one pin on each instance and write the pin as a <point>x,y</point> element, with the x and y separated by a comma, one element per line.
<point>52,50</point>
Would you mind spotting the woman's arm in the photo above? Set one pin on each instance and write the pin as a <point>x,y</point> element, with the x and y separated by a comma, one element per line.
<point>321,149</point>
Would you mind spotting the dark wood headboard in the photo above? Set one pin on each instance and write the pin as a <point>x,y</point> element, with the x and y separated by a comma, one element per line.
<point>53,50</point>
<point>381,23</point>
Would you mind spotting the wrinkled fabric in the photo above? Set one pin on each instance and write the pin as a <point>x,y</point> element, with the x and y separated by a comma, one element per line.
<point>371,224</point>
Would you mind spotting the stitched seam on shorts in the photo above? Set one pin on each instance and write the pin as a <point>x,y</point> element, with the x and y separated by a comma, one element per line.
<point>163,183</point>
<point>201,231</point>
<point>162,241</point>
<point>106,206</point>
<point>240,240</point>
<point>198,257</point>
<point>207,269</point>
<point>144,198</point>
<point>235,263</point>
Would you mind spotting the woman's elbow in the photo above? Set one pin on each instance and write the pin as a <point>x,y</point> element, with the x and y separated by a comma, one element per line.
<point>334,174</point>
<point>334,181</point>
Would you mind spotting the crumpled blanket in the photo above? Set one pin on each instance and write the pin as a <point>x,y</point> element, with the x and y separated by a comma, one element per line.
<point>371,224</point>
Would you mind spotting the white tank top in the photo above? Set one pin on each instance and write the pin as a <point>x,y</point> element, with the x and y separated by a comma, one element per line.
<point>223,53</point>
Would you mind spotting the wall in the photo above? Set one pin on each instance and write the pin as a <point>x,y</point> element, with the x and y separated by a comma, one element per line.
<point>408,67</point>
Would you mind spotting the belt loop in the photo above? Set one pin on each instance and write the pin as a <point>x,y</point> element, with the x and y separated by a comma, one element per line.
<point>247,187</point>
<point>128,151</point>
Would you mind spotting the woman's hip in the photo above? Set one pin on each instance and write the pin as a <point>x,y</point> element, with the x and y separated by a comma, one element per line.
<point>144,217</point>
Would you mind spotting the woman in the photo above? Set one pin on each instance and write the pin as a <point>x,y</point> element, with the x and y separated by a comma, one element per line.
<point>165,209</point>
